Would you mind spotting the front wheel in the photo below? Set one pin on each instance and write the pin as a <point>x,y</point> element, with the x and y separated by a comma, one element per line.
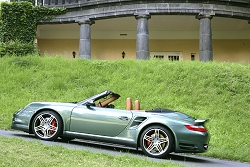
<point>156,141</point>
<point>47,125</point>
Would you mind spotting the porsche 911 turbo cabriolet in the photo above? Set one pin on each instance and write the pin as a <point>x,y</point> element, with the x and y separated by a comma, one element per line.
<point>157,132</point>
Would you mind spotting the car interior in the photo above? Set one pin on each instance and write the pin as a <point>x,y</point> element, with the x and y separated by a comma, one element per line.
<point>105,102</point>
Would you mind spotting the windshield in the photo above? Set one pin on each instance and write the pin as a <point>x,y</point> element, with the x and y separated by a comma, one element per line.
<point>104,98</point>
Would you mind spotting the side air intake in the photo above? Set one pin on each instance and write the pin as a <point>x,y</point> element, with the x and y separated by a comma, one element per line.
<point>137,121</point>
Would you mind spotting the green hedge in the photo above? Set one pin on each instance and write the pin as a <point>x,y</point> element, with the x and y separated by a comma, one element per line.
<point>17,48</point>
<point>18,26</point>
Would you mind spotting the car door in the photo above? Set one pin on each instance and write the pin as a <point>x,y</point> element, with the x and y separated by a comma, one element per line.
<point>99,121</point>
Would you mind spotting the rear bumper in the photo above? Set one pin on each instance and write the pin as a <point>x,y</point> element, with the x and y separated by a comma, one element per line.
<point>197,142</point>
<point>192,148</point>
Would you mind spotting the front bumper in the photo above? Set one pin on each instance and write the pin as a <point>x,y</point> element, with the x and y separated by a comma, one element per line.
<point>20,122</point>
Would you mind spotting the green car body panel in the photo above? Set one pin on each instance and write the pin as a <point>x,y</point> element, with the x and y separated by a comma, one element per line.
<point>109,125</point>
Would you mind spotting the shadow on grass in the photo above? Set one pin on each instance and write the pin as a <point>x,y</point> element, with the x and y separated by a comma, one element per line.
<point>113,149</point>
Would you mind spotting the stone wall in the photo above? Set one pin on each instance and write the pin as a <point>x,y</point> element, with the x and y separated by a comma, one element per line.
<point>103,9</point>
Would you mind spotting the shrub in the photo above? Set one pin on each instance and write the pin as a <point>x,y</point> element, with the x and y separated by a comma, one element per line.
<point>18,26</point>
<point>17,48</point>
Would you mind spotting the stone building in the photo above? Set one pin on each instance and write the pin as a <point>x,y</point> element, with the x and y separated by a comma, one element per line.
<point>199,30</point>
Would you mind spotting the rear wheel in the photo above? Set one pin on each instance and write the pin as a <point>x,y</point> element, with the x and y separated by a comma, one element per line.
<point>47,125</point>
<point>156,141</point>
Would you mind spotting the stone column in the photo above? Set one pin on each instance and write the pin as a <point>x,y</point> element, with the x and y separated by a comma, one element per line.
<point>85,39</point>
<point>206,50</point>
<point>46,2</point>
<point>142,39</point>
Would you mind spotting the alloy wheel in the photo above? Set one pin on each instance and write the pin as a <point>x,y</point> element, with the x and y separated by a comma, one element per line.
<point>46,125</point>
<point>156,142</point>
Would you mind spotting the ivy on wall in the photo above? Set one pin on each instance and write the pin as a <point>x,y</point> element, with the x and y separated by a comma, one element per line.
<point>18,25</point>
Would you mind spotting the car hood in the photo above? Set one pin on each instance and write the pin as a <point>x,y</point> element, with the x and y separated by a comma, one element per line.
<point>38,105</point>
<point>41,104</point>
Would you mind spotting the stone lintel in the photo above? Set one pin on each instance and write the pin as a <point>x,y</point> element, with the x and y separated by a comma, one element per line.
<point>85,21</point>
<point>204,15</point>
<point>142,15</point>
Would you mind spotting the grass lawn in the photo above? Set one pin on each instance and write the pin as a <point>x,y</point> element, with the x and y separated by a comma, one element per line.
<point>216,91</point>
<point>17,152</point>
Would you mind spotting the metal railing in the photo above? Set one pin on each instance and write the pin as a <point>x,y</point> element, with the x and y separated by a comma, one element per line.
<point>68,3</point>
<point>59,2</point>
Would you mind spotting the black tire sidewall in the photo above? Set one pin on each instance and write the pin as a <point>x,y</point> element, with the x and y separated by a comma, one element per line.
<point>171,141</point>
<point>59,122</point>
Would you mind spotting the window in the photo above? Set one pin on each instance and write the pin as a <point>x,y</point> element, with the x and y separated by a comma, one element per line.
<point>172,56</point>
<point>192,56</point>
<point>159,56</point>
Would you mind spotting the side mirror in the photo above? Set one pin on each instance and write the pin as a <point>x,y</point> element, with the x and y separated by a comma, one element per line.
<point>111,106</point>
<point>88,104</point>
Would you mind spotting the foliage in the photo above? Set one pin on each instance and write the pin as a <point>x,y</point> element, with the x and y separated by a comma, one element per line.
<point>17,48</point>
<point>215,91</point>
<point>18,25</point>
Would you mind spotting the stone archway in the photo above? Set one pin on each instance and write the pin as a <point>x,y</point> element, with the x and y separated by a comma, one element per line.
<point>93,10</point>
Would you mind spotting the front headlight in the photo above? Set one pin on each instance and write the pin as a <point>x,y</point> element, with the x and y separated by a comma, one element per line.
<point>23,109</point>
<point>18,112</point>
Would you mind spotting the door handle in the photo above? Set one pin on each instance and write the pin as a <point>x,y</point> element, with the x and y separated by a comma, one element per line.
<point>124,118</point>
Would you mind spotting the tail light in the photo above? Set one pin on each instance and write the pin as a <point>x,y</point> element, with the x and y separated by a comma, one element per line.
<point>196,128</point>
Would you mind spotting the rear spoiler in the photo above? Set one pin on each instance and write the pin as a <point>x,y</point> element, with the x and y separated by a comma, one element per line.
<point>200,121</point>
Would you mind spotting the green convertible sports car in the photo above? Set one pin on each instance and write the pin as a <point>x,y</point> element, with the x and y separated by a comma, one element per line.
<point>157,132</point>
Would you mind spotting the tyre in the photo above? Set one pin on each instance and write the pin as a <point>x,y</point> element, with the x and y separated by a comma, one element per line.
<point>156,141</point>
<point>47,125</point>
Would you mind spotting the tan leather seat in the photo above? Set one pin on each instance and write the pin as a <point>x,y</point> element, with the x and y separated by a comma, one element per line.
<point>128,104</point>
<point>137,105</point>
